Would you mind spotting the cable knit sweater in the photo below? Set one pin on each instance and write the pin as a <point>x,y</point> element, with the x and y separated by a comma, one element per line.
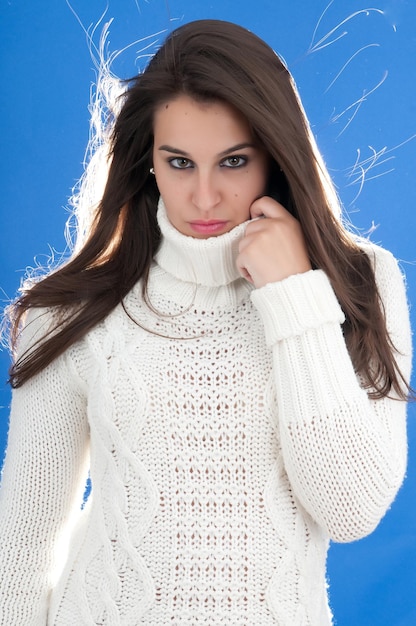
<point>227,438</point>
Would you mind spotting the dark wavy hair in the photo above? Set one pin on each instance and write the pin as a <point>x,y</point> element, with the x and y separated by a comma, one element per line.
<point>208,60</point>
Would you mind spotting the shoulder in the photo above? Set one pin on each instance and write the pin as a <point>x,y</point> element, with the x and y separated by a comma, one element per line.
<point>386,267</point>
<point>391,287</point>
<point>37,326</point>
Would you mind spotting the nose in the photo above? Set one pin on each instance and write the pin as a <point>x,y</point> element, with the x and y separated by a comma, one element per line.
<point>206,192</point>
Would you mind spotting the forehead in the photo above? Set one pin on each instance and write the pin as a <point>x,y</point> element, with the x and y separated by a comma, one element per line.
<point>185,118</point>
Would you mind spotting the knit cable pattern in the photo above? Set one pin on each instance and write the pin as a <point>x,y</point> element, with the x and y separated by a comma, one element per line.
<point>228,440</point>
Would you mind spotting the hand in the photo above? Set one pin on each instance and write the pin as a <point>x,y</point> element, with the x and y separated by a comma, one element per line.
<point>272,248</point>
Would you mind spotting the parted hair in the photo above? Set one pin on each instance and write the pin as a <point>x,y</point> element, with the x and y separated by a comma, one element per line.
<point>208,60</point>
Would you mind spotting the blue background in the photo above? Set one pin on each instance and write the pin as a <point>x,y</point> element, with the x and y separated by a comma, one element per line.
<point>46,75</point>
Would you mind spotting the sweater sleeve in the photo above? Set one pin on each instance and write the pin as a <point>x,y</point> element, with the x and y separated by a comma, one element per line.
<point>344,453</point>
<point>43,478</point>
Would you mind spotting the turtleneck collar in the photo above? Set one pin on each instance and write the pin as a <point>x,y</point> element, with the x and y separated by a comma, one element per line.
<point>208,262</point>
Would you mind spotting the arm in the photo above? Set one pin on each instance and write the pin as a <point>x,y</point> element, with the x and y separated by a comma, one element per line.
<point>345,454</point>
<point>43,478</point>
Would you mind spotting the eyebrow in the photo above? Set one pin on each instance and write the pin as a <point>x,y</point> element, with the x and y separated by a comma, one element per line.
<point>238,146</point>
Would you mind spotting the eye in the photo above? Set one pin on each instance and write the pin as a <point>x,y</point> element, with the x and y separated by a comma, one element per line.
<point>180,163</point>
<point>234,161</point>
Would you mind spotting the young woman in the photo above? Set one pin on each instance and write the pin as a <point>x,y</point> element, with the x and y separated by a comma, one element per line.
<point>224,357</point>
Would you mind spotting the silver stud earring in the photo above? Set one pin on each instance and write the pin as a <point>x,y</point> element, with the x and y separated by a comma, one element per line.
<point>152,171</point>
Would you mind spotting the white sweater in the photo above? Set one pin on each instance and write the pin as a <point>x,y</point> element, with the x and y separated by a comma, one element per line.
<point>225,447</point>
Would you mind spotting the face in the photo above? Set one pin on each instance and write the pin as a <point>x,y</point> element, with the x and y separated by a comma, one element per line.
<point>208,167</point>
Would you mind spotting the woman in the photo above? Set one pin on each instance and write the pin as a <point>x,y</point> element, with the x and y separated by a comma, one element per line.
<point>223,356</point>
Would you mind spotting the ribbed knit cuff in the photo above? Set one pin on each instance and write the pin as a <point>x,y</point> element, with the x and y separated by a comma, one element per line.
<point>296,304</point>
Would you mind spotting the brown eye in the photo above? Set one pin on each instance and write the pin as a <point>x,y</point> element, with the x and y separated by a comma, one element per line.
<point>180,163</point>
<point>234,161</point>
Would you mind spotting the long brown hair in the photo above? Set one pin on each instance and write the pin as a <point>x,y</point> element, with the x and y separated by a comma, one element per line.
<point>208,60</point>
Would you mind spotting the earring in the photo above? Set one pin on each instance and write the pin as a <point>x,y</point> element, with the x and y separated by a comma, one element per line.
<point>152,171</point>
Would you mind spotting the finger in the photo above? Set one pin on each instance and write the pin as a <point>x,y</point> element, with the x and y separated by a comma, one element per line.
<point>245,274</point>
<point>242,269</point>
<point>266,207</point>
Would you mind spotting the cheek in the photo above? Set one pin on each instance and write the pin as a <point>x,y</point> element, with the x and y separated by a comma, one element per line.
<point>168,190</point>
<point>262,177</point>
<point>254,183</point>
<point>241,203</point>
<point>172,213</point>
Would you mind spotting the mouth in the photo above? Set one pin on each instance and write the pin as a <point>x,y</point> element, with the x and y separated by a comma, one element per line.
<point>208,227</point>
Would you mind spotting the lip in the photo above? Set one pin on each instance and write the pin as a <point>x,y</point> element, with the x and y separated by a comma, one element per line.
<point>208,227</point>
